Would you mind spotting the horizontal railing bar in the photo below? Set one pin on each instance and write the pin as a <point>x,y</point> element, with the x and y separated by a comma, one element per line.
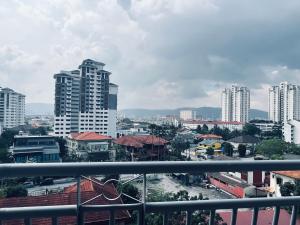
<point>135,206</point>
<point>220,204</point>
<point>77,169</point>
<point>37,211</point>
<point>71,210</point>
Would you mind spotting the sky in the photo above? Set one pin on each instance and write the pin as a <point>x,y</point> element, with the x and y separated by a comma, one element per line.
<point>162,53</point>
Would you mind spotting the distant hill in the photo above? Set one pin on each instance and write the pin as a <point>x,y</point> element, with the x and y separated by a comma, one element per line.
<point>208,113</point>
<point>39,109</point>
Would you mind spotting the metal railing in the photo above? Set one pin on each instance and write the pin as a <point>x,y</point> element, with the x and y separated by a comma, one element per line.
<point>143,207</point>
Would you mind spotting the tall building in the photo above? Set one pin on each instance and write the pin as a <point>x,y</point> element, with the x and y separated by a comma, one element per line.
<point>235,104</point>
<point>284,102</point>
<point>274,104</point>
<point>226,105</point>
<point>188,114</point>
<point>85,101</point>
<point>12,108</point>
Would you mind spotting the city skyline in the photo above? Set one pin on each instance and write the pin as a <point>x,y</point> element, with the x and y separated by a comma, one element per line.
<point>145,51</point>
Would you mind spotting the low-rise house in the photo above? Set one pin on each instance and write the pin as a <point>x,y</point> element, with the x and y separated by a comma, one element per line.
<point>278,178</point>
<point>90,145</point>
<point>235,186</point>
<point>90,190</point>
<point>143,147</point>
<point>248,140</point>
<point>32,148</point>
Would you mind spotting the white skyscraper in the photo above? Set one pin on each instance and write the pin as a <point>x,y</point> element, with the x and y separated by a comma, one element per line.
<point>85,101</point>
<point>12,108</point>
<point>284,102</point>
<point>226,105</point>
<point>274,104</point>
<point>236,104</point>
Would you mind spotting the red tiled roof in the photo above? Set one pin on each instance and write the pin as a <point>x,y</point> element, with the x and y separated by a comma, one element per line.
<point>89,190</point>
<point>89,136</point>
<point>138,141</point>
<point>289,173</point>
<point>265,217</point>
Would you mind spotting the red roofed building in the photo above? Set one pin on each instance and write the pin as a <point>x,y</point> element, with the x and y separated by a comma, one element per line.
<point>265,217</point>
<point>278,178</point>
<point>88,189</point>
<point>90,145</point>
<point>143,147</point>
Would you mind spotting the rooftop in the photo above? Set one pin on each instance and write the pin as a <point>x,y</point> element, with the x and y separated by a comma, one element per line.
<point>244,139</point>
<point>138,141</point>
<point>88,189</point>
<point>265,217</point>
<point>89,136</point>
<point>293,174</point>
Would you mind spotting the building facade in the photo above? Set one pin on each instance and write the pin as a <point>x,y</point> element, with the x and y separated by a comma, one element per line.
<point>12,108</point>
<point>187,115</point>
<point>236,104</point>
<point>35,149</point>
<point>85,100</point>
<point>291,131</point>
<point>284,102</point>
<point>90,145</point>
<point>193,124</point>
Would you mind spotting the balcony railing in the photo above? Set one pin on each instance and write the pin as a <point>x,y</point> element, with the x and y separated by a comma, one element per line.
<point>87,169</point>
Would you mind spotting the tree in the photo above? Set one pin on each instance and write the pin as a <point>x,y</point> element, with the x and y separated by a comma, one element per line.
<point>5,156</point>
<point>242,150</point>
<point>271,147</point>
<point>287,189</point>
<point>204,129</point>
<point>210,151</point>
<point>130,190</point>
<point>198,129</point>
<point>16,191</point>
<point>8,136</point>
<point>227,148</point>
<point>250,129</point>
<point>179,145</point>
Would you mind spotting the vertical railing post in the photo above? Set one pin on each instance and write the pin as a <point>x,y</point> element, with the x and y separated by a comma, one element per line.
<point>112,217</point>
<point>294,215</point>
<point>144,199</point>
<point>276,215</point>
<point>79,213</point>
<point>255,216</point>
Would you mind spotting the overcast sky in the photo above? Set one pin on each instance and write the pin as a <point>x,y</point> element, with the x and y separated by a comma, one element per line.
<point>162,54</point>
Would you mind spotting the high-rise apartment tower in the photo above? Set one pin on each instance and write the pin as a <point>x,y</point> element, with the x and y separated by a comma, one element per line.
<point>85,100</point>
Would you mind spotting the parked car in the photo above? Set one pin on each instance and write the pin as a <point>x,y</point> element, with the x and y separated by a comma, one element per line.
<point>28,184</point>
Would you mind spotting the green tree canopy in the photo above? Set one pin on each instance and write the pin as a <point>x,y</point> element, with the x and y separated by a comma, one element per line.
<point>242,150</point>
<point>227,148</point>
<point>250,129</point>
<point>210,151</point>
<point>271,147</point>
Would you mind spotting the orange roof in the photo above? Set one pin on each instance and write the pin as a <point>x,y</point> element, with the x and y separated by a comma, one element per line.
<point>138,141</point>
<point>89,136</point>
<point>209,136</point>
<point>89,190</point>
<point>290,173</point>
